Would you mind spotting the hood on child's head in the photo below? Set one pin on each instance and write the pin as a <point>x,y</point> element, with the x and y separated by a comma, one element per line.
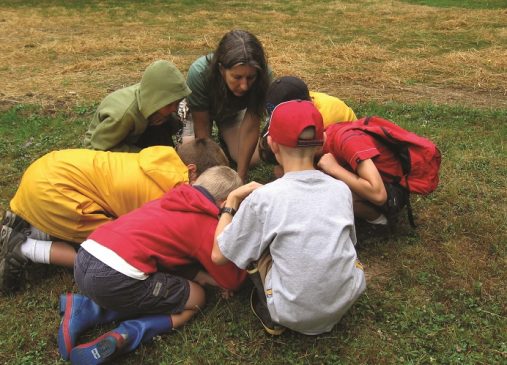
<point>162,83</point>
<point>186,198</point>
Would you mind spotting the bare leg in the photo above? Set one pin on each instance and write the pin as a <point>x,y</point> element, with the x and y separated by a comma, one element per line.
<point>195,303</point>
<point>231,138</point>
<point>364,209</point>
<point>62,254</point>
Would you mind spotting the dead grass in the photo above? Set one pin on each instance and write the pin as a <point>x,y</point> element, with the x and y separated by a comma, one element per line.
<point>366,51</point>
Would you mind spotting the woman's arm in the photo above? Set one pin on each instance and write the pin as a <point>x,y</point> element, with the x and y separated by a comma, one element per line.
<point>248,137</point>
<point>202,127</point>
<point>367,183</point>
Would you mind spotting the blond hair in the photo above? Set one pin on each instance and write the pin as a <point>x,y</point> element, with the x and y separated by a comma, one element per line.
<point>219,181</point>
<point>203,153</point>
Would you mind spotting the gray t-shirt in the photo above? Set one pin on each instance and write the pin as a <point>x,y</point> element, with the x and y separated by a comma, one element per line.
<point>306,220</point>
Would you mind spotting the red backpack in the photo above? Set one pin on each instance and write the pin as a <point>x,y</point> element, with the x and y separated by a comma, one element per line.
<point>419,157</point>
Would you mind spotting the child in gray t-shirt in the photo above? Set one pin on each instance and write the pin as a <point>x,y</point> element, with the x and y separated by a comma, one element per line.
<point>295,235</point>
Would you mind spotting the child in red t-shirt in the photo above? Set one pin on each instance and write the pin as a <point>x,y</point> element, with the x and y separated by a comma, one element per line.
<point>124,269</point>
<point>367,167</point>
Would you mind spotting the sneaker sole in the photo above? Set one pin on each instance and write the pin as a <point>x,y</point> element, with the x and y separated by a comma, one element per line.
<point>272,331</point>
<point>10,261</point>
<point>14,221</point>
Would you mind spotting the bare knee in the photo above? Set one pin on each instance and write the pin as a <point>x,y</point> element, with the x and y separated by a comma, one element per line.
<point>197,297</point>
<point>365,210</point>
<point>195,303</point>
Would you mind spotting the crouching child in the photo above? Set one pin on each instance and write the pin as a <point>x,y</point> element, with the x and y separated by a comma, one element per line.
<point>124,270</point>
<point>65,195</point>
<point>295,235</point>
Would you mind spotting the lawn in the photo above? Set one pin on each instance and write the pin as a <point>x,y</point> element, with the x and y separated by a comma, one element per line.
<point>435,294</point>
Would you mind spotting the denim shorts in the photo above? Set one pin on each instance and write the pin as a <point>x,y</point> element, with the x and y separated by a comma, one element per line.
<point>159,293</point>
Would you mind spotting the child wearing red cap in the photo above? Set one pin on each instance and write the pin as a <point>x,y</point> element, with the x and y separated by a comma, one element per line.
<point>295,238</point>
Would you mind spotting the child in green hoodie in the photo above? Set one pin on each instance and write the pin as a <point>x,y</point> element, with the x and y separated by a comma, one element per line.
<point>139,116</point>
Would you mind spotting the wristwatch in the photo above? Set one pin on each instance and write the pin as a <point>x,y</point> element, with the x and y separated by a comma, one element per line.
<point>229,210</point>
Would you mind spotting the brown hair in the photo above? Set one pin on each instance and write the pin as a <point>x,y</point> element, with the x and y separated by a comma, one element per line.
<point>239,47</point>
<point>203,153</point>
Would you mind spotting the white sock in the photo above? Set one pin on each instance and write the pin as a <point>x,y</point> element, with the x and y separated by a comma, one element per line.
<point>37,234</point>
<point>381,219</point>
<point>36,250</point>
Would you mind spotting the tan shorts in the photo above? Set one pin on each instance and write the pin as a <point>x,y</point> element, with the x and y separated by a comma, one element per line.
<point>264,265</point>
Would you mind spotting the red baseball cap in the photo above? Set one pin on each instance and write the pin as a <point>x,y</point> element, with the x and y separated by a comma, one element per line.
<point>290,118</point>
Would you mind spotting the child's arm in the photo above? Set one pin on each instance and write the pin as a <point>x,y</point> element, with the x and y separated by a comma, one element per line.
<point>234,199</point>
<point>203,278</point>
<point>367,183</point>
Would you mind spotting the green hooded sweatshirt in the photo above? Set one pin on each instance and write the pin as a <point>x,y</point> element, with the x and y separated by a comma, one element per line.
<point>122,117</point>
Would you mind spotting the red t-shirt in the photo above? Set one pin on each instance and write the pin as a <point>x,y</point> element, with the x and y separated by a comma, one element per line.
<point>350,147</point>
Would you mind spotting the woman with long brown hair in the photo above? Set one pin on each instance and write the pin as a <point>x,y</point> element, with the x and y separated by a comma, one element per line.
<point>229,88</point>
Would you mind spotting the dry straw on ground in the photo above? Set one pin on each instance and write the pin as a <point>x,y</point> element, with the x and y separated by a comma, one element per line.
<point>370,51</point>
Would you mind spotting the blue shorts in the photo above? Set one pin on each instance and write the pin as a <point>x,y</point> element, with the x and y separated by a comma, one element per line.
<point>159,293</point>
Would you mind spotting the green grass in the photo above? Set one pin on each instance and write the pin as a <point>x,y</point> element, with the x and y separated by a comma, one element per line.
<point>442,301</point>
<point>469,4</point>
<point>27,132</point>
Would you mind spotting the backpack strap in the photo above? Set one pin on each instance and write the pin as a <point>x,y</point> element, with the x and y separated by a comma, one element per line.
<point>410,214</point>
<point>404,158</point>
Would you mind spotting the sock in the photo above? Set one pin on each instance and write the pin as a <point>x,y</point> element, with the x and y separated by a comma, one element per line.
<point>36,251</point>
<point>381,219</point>
<point>37,234</point>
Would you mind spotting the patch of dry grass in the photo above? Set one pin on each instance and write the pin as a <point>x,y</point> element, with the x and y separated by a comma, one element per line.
<point>358,51</point>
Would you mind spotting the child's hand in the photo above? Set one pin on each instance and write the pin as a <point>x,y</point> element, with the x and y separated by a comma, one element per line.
<point>245,190</point>
<point>328,163</point>
<point>238,195</point>
<point>226,293</point>
<point>203,278</point>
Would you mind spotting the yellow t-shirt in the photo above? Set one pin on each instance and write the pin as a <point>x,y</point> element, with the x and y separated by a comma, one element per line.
<point>69,193</point>
<point>333,110</point>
